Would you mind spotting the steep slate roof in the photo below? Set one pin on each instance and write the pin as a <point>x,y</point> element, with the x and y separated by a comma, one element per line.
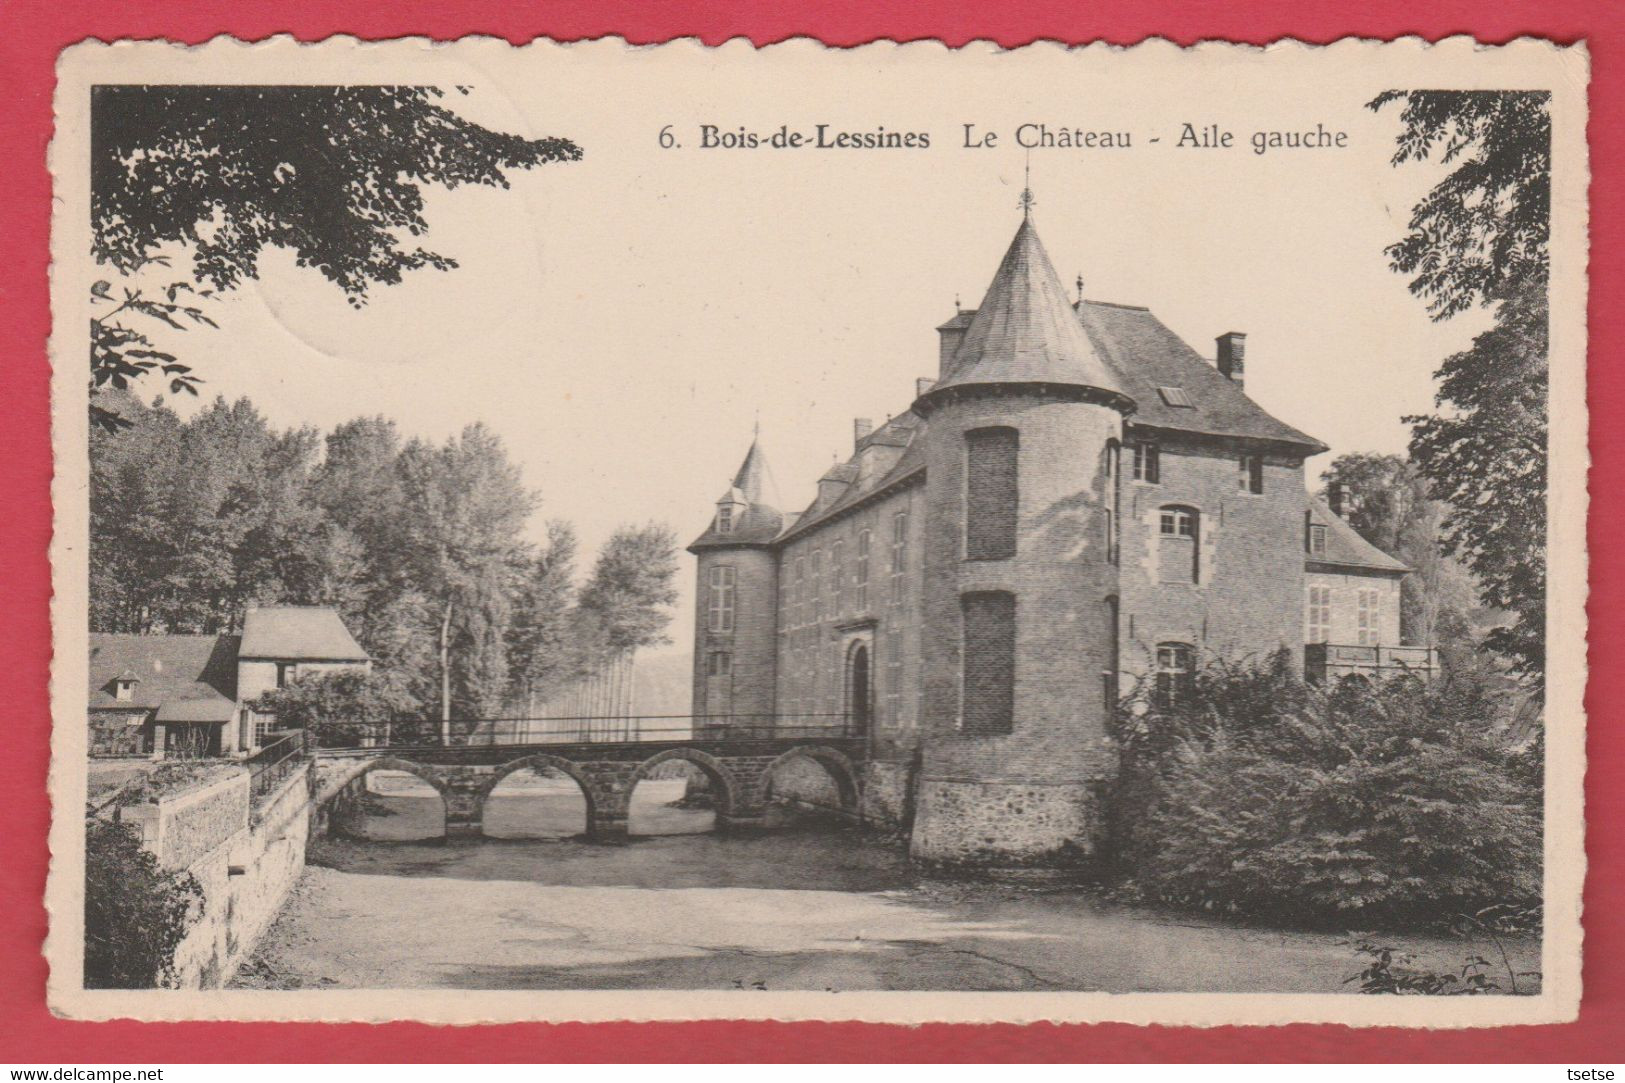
<point>309,633</point>
<point>908,468</point>
<point>1146,355</point>
<point>188,678</point>
<point>761,521</point>
<point>1025,332</point>
<point>1344,546</point>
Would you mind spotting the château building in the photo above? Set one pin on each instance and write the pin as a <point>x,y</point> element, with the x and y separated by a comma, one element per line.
<point>1076,505</point>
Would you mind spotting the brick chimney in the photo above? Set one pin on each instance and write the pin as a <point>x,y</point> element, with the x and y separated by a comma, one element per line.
<point>1334,497</point>
<point>1233,355</point>
<point>861,427</point>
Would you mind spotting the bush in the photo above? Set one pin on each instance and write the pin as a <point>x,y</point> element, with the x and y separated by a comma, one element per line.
<point>1363,804</point>
<point>339,706</point>
<point>136,914</point>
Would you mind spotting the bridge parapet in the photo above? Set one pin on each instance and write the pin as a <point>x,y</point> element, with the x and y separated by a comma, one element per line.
<point>739,766</point>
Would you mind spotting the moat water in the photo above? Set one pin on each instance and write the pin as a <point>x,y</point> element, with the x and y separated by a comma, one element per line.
<point>810,906</point>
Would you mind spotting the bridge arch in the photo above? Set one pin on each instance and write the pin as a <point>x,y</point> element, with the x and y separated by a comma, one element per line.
<point>337,799</point>
<point>589,793</point>
<point>833,761</point>
<point>721,777</point>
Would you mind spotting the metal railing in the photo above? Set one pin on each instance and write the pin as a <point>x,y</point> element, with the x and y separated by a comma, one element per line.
<point>642,729</point>
<point>279,758</point>
<point>1323,660</point>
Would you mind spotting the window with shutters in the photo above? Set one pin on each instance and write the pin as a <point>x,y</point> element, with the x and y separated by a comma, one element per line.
<point>899,555</point>
<point>1365,617</point>
<point>860,578</point>
<point>1318,626</point>
<point>991,493</point>
<point>988,658</point>
<point>1317,539</point>
<point>1109,677</point>
<point>1176,674</point>
<point>1180,534</point>
<point>720,603</point>
<point>1147,462</point>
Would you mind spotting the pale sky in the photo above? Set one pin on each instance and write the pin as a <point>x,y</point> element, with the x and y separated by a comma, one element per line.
<point>623,321</point>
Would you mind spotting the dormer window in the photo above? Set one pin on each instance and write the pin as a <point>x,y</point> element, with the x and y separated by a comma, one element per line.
<point>124,688</point>
<point>725,519</point>
<point>1176,397</point>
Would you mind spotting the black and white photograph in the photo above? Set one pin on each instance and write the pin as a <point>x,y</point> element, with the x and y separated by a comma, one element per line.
<point>583,532</point>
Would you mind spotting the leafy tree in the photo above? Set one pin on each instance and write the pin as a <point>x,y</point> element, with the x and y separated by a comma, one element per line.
<point>465,510</point>
<point>1479,237</point>
<point>1388,505</point>
<point>1485,455</point>
<point>333,173</point>
<point>539,641</point>
<point>341,705</point>
<point>1482,230</point>
<point>136,914</point>
<point>624,607</point>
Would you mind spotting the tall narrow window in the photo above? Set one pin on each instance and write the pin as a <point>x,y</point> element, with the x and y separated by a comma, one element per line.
<point>894,678</point>
<point>899,555</point>
<point>1179,557</point>
<point>1318,626</point>
<point>837,577</point>
<point>1250,473</point>
<point>720,604</point>
<point>817,585</point>
<point>1317,539</point>
<point>991,496</point>
<point>988,696</point>
<point>1176,674</point>
<point>1365,617</point>
<point>725,519</point>
<point>800,587</point>
<point>860,578</point>
<point>1113,502</point>
<point>1147,462</point>
<point>1108,677</point>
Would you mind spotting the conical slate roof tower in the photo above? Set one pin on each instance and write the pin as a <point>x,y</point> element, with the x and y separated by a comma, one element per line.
<point>1026,334</point>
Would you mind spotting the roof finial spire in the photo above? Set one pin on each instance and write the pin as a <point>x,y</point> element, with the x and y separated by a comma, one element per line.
<point>1080,289</point>
<point>756,426</point>
<point>1027,200</point>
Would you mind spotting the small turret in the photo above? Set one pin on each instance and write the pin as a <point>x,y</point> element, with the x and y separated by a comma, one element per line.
<point>736,616</point>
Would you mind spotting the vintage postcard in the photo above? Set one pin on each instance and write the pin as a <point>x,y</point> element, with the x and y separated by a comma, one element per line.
<point>587,532</point>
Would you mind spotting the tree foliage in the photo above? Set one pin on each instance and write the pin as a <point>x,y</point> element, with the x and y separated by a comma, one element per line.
<point>424,549</point>
<point>1396,804</point>
<point>335,706</point>
<point>1388,504</point>
<point>136,914</point>
<point>334,174</point>
<point>1479,237</point>
<point>1481,230</point>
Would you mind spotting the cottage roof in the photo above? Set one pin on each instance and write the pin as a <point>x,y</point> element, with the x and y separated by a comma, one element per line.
<point>1345,548</point>
<point>178,673</point>
<point>299,633</point>
<point>1025,332</point>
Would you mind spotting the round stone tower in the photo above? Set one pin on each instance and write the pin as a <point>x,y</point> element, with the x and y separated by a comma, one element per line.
<point>736,610</point>
<point>1020,596</point>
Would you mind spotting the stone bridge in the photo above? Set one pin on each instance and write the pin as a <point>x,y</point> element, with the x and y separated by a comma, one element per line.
<point>740,771</point>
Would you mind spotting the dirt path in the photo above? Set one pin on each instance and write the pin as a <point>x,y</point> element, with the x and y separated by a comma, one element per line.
<point>801,909</point>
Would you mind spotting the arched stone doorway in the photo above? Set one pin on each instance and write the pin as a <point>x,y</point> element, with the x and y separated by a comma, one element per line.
<point>859,689</point>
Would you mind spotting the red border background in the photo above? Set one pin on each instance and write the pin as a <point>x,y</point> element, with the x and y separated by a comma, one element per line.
<point>32,32</point>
